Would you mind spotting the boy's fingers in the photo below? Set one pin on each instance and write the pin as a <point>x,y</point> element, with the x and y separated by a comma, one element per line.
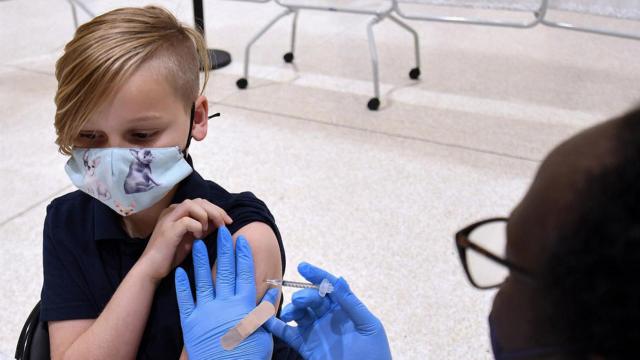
<point>245,273</point>
<point>183,249</point>
<point>193,210</point>
<point>314,274</point>
<point>216,215</point>
<point>226,265</point>
<point>227,218</point>
<point>188,224</point>
<point>202,271</point>
<point>183,293</point>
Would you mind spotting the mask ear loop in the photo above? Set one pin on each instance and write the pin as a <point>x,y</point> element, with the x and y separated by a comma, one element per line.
<point>191,119</point>
<point>191,116</point>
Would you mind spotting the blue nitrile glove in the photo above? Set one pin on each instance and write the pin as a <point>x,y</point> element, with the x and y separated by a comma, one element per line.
<point>218,310</point>
<point>337,326</point>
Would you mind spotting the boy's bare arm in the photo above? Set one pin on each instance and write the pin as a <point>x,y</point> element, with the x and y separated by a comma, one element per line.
<point>266,255</point>
<point>116,333</point>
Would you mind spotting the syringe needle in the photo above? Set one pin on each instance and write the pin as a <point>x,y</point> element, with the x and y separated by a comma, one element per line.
<point>324,288</point>
<point>294,284</point>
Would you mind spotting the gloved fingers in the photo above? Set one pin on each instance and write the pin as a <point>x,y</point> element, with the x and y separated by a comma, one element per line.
<point>245,274</point>
<point>362,318</point>
<point>202,271</point>
<point>291,312</point>
<point>304,317</point>
<point>271,296</point>
<point>183,294</point>
<point>310,298</point>
<point>288,334</point>
<point>226,265</point>
<point>314,274</point>
<point>308,320</point>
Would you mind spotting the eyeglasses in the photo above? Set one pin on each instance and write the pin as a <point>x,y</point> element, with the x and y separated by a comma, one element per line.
<point>482,247</point>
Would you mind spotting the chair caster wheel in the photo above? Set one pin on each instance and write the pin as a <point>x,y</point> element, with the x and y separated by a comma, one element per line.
<point>288,57</point>
<point>414,73</point>
<point>242,83</point>
<point>373,104</point>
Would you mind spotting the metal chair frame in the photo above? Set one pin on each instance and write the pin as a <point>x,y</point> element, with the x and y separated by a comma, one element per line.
<point>590,30</point>
<point>539,17</point>
<point>82,7</point>
<point>377,16</point>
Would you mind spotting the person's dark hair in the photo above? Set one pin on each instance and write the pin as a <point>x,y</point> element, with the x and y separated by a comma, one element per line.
<point>592,277</point>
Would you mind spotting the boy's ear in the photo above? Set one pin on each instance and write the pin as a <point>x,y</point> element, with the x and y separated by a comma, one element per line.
<point>200,119</point>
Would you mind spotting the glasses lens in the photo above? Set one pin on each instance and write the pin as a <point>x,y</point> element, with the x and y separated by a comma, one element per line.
<point>492,237</point>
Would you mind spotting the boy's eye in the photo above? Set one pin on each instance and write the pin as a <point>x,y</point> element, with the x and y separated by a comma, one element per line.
<point>90,136</point>
<point>142,135</point>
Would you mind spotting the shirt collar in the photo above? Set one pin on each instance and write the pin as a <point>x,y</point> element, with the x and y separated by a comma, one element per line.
<point>107,222</point>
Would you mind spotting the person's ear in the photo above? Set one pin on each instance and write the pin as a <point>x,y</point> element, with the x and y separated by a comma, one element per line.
<point>200,118</point>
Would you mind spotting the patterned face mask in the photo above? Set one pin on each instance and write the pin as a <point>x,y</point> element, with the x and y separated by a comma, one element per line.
<point>128,180</point>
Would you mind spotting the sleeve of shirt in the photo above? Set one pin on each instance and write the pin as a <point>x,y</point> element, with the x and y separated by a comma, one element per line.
<point>63,297</point>
<point>246,208</point>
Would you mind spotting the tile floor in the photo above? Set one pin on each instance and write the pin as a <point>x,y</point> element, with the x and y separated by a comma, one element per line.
<point>373,196</point>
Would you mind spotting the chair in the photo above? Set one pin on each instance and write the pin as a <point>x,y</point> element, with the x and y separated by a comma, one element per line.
<point>539,9</point>
<point>292,7</point>
<point>536,7</point>
<point>33,343</point>
<point>614,10</point>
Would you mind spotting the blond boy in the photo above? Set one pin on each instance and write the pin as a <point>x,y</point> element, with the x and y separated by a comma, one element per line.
<point>128,92</point>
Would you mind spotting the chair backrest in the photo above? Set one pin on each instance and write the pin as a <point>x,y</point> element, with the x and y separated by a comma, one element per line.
<point>33,343</point>
<point>625,9</point>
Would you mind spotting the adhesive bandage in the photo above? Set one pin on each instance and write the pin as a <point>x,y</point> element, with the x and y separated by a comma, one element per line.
<point>248,325</point>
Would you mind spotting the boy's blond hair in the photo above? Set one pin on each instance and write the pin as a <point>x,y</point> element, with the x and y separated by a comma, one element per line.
<point>105,51</point>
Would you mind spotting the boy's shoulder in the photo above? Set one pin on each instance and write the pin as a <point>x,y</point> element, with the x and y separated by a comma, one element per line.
<point>225,199</point>
<point>75,201</point>
<point>68,216</point>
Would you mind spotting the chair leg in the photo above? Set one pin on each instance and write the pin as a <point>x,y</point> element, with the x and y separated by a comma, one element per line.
<point>415,72</point>
<point>288,57</point>
<point>83,7</point>
<point>75,14</point>
<point>374,103</point>
<point>243,82</point>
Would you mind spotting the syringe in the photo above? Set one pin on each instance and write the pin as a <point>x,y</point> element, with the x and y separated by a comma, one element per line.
<point>324,288</point>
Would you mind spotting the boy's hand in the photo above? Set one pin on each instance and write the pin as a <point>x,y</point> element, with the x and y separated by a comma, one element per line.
<point>177,227</point>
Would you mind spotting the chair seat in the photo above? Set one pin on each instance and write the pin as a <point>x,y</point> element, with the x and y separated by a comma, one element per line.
<point>33,343</point>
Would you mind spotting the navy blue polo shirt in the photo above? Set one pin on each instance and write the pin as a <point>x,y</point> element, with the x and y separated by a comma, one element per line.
<point>87,254</point>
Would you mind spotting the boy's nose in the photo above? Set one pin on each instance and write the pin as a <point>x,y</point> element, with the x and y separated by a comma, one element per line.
<point>115,142</point>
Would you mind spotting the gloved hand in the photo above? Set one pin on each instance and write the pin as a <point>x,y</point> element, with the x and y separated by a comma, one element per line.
<point>217,311</point>
<point>337,326</point>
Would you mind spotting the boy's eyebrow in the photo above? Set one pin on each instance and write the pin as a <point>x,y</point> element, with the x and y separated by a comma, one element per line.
<point>146,117</point>
<point>137,119</point>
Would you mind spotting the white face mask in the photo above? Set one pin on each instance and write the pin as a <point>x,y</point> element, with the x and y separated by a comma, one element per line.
<point>128,180</point>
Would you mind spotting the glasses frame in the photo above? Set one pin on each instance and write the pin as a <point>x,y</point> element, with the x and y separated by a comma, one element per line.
<point>463,243</point>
